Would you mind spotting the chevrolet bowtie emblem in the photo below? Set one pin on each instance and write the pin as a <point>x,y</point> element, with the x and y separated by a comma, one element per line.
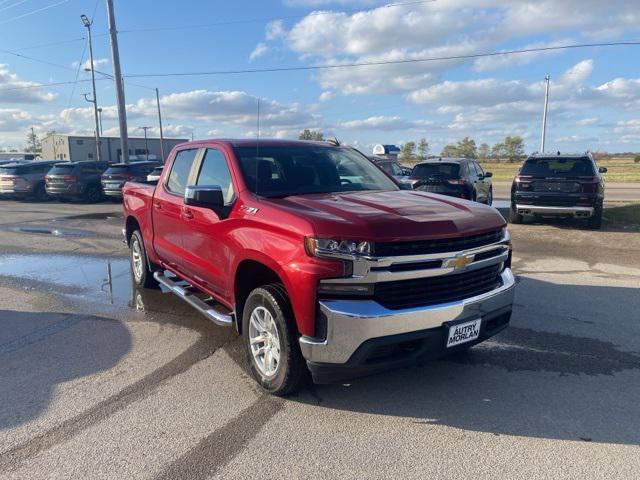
<point>458,262</point>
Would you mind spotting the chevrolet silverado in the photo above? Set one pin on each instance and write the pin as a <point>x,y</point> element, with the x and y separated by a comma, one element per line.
<point>318,258</point>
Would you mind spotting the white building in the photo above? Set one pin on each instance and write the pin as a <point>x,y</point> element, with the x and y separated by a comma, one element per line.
<point>78,147</point>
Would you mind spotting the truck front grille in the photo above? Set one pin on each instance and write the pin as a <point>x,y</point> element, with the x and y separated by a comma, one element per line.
<point>421,292</point>
<point>424,247</point>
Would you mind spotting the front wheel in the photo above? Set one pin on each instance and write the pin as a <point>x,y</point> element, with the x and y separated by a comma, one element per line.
<point>142,275</point>
<point>490,197</point>
<point>271,340</point>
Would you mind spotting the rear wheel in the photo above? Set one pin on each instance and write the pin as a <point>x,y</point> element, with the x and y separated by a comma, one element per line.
<point>142,275</point>
<point>40,193</point>
<point>271,340</point>
<point>595,221</point>
<point>92,194</point>
<point>514,216</point>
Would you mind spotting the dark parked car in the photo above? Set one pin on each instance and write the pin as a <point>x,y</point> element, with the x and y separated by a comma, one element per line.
<point>558,185</point>
<point>76,180</point>
<point>24,179</point>
<point>456,177</point>
<point>115,177</point>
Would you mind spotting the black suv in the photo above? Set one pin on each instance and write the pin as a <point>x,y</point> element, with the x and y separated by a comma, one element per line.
<point>115,177</point>
<point>558,185</point>
<point>456,177</point>
<point>76,180</point>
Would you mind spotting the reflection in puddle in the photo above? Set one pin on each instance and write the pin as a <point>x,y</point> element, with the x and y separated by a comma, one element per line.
<point>48,230</point>
<point>95,279</point>
<point>90,216</point>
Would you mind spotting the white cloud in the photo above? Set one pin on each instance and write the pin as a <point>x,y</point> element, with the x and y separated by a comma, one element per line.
<point>258,51</point>
<point>15,90</point>
<point>326,96</point>
<point>383,123</point>
<point>97,63</point>
<point>275,29</point>
<point>587,122</point>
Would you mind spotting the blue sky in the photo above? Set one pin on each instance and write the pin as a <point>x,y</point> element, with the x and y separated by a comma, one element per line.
<point>595,92</point>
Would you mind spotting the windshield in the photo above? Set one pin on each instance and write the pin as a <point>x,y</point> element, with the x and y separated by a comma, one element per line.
<point>563,167</point>
<point>441,170</point>
<point>297,170</point>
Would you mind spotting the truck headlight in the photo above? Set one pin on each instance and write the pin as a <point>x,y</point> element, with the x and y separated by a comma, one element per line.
<point>328,247</point>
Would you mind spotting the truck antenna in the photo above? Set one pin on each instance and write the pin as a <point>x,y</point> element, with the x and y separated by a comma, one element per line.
<point>257,144</point>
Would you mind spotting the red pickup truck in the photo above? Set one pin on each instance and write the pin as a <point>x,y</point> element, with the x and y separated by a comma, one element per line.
<point>319,259</point>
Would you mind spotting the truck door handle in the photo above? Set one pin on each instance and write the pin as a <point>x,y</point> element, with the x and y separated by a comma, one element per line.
<point>157,205</point>
<point>186,213</point>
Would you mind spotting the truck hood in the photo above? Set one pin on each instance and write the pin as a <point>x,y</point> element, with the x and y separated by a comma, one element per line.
<point>391,216</point>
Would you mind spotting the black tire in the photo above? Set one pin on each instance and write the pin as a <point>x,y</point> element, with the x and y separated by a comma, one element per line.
<point>290,370</point>
<point>595,221</point>
<point>40,193</point>
<point>490,197</point>
<point>92,194</point>
<point>514,216</point>
<point>142,274</point>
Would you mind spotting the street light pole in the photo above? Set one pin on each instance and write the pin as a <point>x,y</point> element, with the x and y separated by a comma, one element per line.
<point>100,117</point>
<point>87,24</point>
<point>544,113</point>
<point>146,144</point>
<point>122,110</point>
<point>160,123</point>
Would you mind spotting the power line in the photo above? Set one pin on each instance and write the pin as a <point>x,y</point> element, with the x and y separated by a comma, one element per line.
<point>38,10</point>
<point>43,85</point>
<point>20,2</point>
<point>226,22</point>
<point>43,45</point>
<point>271,19</point>
<point>383,62</point>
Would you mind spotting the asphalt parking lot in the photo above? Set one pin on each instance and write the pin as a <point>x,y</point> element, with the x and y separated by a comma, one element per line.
<point>103,381</point>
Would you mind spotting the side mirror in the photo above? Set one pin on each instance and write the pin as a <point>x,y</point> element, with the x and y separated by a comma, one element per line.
<point>603,170</point>
<point>488,174</point>
<point>207,196</point>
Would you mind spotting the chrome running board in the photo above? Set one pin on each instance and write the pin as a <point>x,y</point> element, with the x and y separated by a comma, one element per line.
<point>208,306</point>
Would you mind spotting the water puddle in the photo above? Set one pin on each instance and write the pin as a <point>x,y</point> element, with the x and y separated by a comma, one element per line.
<point>96,279</point>
<point>49,230</point>
<point>90,216</point>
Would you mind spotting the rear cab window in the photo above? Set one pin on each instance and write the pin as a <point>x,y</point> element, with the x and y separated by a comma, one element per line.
<point>558,167</point>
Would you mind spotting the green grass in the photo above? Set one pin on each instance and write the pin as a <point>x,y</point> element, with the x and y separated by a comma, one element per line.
<point>627,214</point>
<point>620,170</point>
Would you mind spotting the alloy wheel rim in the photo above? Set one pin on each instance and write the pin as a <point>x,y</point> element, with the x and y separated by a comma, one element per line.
<point>136,256</point>
<point>264,342</point>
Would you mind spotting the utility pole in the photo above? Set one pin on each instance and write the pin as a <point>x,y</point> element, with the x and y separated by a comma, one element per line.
<point>87,24</point>
<point>160,123</point>
<point>122,110</point>
<point>146,144</point>
<point>544,113</point>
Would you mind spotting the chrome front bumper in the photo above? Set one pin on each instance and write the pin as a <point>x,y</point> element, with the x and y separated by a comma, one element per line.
<point>582,212</point>
<point>352,322</point>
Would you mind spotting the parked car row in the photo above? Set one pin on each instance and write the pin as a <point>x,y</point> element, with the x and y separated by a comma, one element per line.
<point>89,181</point>
<point>546,185</point>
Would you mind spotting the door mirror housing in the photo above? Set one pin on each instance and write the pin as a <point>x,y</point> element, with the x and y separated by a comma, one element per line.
<point>488,174</point>
<point>206,196</point>
<point>602,170</point>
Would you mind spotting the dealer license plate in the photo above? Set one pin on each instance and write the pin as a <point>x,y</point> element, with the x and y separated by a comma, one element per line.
<point>463,333</point>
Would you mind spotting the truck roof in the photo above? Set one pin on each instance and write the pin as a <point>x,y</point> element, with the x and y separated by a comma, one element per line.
<point>253,142</point>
